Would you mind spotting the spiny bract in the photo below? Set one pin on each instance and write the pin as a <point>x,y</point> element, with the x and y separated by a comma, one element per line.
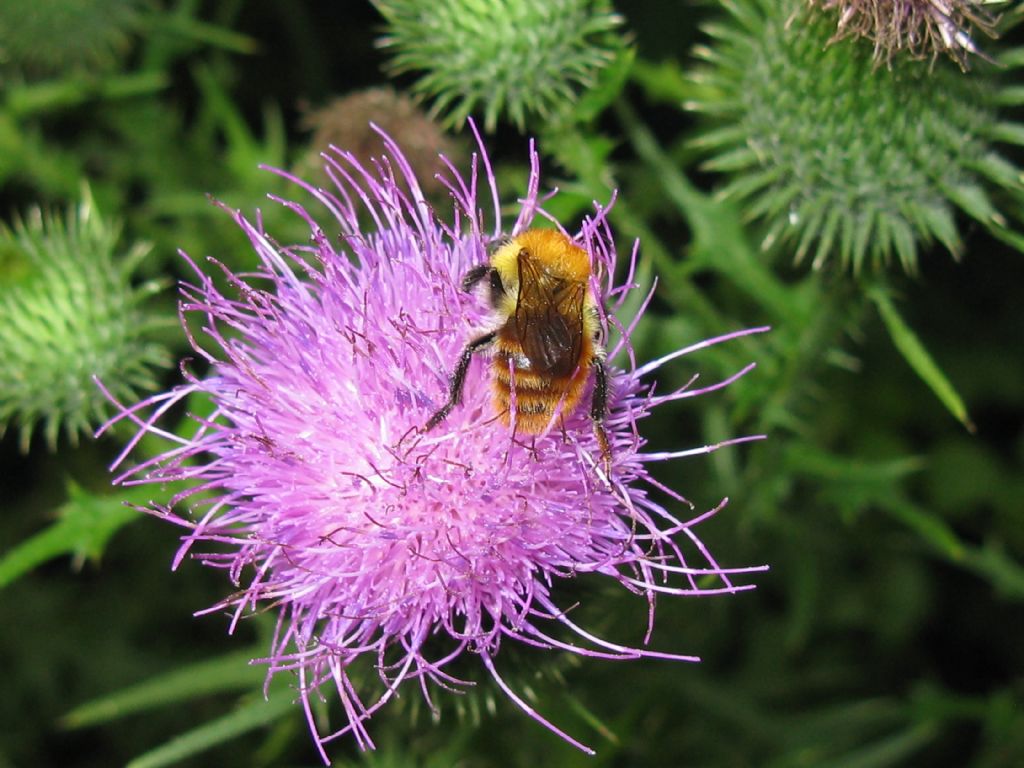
<point>840,158</point>
<point>69,312</point>
<point>509,59</point>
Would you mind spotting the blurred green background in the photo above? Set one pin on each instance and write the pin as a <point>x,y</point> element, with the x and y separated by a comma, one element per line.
<point>888,501</point>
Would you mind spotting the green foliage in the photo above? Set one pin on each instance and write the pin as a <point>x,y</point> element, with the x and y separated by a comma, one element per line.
<point>229,674</point>
<point>253,712</point>
<point>85,523</point>
<point>69,315</point>
<point>838,157</point>
<point>510,59</point>
<point>914,352</point>
<point>54,35</point>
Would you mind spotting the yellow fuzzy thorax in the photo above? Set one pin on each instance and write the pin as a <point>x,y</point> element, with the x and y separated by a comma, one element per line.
<point>559,255</point>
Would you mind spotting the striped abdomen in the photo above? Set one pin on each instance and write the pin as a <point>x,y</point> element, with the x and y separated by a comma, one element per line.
<point>537,394</point>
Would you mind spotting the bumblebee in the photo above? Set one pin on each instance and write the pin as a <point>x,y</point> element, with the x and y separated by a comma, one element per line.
<point>547,344</point>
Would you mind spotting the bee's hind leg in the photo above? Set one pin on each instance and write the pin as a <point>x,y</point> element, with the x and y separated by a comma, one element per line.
<point>598,412</point>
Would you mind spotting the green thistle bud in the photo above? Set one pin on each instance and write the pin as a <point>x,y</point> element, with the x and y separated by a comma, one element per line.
<point>54,35</point>
<point>836,156</point>
<point>508,58</point>
<point>69,312</point>
<point>920,29</point>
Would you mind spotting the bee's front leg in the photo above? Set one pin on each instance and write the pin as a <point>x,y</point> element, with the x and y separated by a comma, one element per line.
<point>474,276</point>
<point>458,378</point>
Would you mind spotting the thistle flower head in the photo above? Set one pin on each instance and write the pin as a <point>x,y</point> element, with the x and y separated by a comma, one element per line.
<point>919,29</point>
<point>838,157</point>
<point>55,35</point>
<point>390,551</point>
<point>507,59</point>
<point>69,311</point>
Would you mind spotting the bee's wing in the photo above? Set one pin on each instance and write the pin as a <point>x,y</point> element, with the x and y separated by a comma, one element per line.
<point>549,319</point>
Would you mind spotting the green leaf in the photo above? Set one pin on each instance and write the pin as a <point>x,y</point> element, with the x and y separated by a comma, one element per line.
<point>84,526</point>
<point>664,82</point>
<point>233,672</point>
<point>245,150</point>
<point>24,153</point>
<point>913,351</point>
<point>988,561</point>
<point>250,715</point>
<point>835,727</point>
<point>591,719</point>
<point>834,468</point>
<point>24,100</point>
<point>992,563</point>
<point>929,527</point>
<point>611,80</point>
<point>585,153</point>
<point>208,34</point>
<point>890,751</point>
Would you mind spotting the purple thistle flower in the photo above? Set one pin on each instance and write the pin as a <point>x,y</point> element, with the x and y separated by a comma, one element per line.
<point>383,547</point>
